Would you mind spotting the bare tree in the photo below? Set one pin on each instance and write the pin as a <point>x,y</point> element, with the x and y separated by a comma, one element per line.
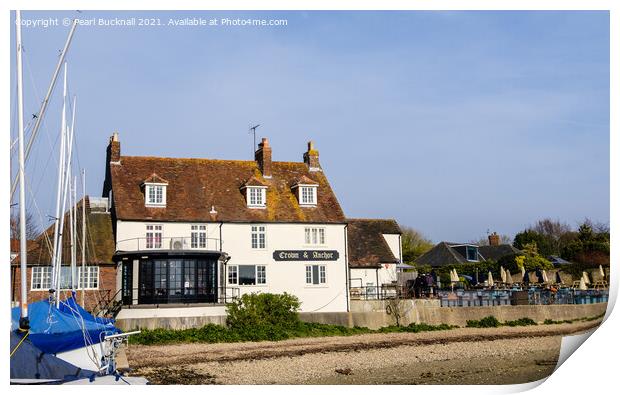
<point>554,231</point>
<point>32,229</point>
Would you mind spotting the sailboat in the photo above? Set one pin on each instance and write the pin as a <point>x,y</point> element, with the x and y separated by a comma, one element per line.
<point>54,340</point>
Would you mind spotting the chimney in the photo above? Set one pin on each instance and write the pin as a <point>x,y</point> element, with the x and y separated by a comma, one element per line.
<point>114,149</point>
<point>494,239</point>
<point>311,157</point>
<point>262,156</point>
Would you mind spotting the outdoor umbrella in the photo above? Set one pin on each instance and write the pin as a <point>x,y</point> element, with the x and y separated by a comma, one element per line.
<point>601,271</point>
<point>490,279</point>
<point>523,273</point>
<point>544,276</point>
<point>558,279</point>
<point>508,278</point>
<point>502,274</point>
<point>586,280</point>
<point>454,277</point>
<point>582,284</point>
<point>526,277</point>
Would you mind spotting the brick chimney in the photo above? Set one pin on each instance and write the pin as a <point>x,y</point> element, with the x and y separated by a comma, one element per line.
<point>311,157</point>
<point>114,149</point>
<point>262,156</point>
<point>494,239</point>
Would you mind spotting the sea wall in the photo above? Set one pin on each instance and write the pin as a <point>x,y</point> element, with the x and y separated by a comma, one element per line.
<point>371,314</point>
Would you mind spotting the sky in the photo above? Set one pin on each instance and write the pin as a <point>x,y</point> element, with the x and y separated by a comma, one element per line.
<point>453,123</point>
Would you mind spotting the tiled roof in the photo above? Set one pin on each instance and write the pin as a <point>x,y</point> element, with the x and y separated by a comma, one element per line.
<point>441,255</point>
<point>303,180</point>
<point>194,185</point>
<point>496,252</point>
<point>255,182</point>
<point>444,254</point>
<point>99,240</point>
<point>367,246</point>
<point>154,178</point>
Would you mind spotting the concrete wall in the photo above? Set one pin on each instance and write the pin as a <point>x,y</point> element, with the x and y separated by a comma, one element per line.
<point>370,314</point>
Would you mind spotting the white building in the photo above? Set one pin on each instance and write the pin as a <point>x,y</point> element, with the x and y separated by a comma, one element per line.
<point>194,231</point>
<point>374,254</point>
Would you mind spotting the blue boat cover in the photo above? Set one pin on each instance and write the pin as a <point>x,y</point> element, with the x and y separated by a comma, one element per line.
<point>54,330</point>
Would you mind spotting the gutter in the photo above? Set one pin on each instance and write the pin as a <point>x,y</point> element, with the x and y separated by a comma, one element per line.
<point>346,266</point>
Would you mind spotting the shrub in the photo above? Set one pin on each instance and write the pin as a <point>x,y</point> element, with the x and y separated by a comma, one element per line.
<point>264,316</point>
<point>486,322</point>
<point>525,321</point>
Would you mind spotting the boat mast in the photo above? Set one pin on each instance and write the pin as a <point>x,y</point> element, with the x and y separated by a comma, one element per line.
<point>61,165</point>
<point>73,212</point>
<point>23,320</point>
<point>83,232</point>
<point>46,101</point>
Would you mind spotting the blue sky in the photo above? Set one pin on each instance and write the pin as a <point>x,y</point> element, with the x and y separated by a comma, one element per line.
<point>450,122</point>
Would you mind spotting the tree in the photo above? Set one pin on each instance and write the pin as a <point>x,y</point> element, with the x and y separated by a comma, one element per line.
<point>590,246</point>
<point>529,236</point>
<point>531,260</point>
<point>553,231</point>
<point>32,230</point>
<point>414,244</point>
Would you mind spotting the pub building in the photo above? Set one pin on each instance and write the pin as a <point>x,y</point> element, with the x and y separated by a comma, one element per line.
<point>199,232</point>
<point>207,230</point>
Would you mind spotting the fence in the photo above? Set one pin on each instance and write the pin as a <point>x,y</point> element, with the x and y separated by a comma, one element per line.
<point>462,298</point>
<point>470,298</point>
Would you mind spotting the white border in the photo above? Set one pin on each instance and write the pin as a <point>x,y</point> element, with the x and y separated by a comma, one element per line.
<point>592,368</point>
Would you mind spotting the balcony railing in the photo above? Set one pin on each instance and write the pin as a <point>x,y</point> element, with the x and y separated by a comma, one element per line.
<point>169,243</point>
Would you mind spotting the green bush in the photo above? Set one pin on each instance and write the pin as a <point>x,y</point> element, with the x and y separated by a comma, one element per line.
<point>486,322</point>
<point>525,321</point>
<point>264,316</point>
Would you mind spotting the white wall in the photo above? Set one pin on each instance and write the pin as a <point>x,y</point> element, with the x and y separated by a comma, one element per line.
<point>393,242</point>
<point>281,276</point>
<point>386,274</point>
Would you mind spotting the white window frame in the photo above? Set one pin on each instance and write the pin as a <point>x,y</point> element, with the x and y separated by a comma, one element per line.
<point>232,269</point>
<point>157,201</point>
<point>307,195</point>
<point>322,273</point>
<point>198,238</point>
<point>260,280</point>
<point>256,197</point>
<point>43,272</point>
<point>258,237</point>
<point>315,236</point>
<point>92,277</point>
<point>154,230</point>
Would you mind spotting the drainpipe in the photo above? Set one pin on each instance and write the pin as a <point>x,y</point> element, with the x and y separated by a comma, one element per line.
<point>223,274</point>
<point>377,273</point>
<point>346,265</point>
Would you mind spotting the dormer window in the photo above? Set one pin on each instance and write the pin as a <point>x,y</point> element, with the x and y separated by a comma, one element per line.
<point>256,196</point>
<point>308,195</point>
<point>255,192</point>
<point>155,191</point>
<point>307,190</point>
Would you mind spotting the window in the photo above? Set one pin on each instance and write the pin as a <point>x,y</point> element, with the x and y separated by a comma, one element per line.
<point>155,195</point>
<point>315,236</point>
<point>89,278</point>
<point>233,275</point>
<point>199,236</point>
<point>258,237</point>
<point>315,274</point>
<point>247,274</point>
<point>153,236</point>
<point>41,277</point>
<point>307,195</point>
<point>256,196</point>
<point>472,253</point>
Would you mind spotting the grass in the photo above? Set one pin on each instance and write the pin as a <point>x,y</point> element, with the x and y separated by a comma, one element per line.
<point>212,333</point>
